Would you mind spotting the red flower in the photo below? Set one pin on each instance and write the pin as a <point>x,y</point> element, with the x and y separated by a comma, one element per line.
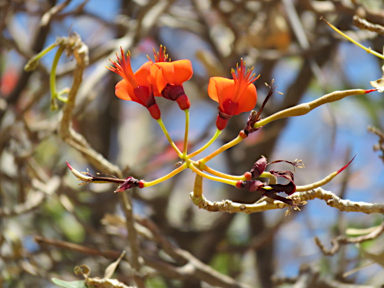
<point>234,96</point>
<point>140,86</point>
<point>174,73</point>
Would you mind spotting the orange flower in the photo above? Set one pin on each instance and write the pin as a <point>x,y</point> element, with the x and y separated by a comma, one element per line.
<point>139,86</point>
<point>174,73</point>
<point>234,96</point>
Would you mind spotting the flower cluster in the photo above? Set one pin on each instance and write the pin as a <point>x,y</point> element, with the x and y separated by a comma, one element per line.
<point>159,78</point>
<point>164,78</point>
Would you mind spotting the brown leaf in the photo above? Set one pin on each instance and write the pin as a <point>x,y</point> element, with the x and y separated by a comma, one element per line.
<point>112,267</point>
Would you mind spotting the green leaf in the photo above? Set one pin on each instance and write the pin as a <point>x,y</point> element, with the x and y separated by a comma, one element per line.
<point>65,284</point>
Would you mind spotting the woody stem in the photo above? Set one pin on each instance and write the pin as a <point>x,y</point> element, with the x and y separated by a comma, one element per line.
<point>169,138</point>
<point>198,187</point>
<point>217,133</point>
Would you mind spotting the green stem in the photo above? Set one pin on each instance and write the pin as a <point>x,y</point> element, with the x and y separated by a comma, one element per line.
<point>185,148</point>
<point>169,138</point>
<point>52,77</point>
<point>34,61</point>
<point>217,133</point>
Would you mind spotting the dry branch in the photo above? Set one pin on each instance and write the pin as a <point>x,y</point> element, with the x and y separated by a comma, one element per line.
<point>340,240</point>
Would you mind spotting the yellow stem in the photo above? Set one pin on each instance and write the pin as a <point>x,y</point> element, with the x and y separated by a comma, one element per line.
<point>224,175</point>
<point>185,149</point>
<point>169,138</point>
<point>213,178</point>
<point>317,184</point>
<point>234,142</point>
<point>369,51</point>
<point>217,133</point>
<point>305,108</point>
<point>166,177</point>
<point>272,178</point>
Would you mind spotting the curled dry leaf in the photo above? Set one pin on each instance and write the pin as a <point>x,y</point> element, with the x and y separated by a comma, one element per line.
<point>378,84</point>
<point>112,267</point>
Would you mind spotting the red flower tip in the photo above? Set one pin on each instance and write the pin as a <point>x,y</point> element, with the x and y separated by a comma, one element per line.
<point>370,90</point>
<point>69,166</point>
<point>343,168</point>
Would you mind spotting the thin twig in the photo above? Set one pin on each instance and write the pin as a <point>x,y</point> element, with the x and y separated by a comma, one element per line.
<point>364,24</point>
<point>343,240</point>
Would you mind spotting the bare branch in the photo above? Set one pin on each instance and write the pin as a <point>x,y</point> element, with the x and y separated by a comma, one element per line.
<point>364,24</point>
<point>343,240</point>
<point>335,201</point>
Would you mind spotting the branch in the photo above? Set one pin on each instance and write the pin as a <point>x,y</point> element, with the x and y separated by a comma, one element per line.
<point>233,207</point>
<point>364,24</point>
<point>343,240</point>
<point>380,145</point>
<point>191,265</point>
<point>335,201</point>
<point>34,200</point>
<point>266,203</point>
<point>305,108</point>
<point>77,141</point>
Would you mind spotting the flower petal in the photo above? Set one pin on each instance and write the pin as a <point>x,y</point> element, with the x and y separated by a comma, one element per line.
<point>158,81</point>
<point>143,75</point>
<point>247,100</point>
<point>124,91</point>
<point>220,89</point>
<point>176,72</point>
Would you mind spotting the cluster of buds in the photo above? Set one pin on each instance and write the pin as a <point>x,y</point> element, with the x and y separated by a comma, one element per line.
<point>268,189</point>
